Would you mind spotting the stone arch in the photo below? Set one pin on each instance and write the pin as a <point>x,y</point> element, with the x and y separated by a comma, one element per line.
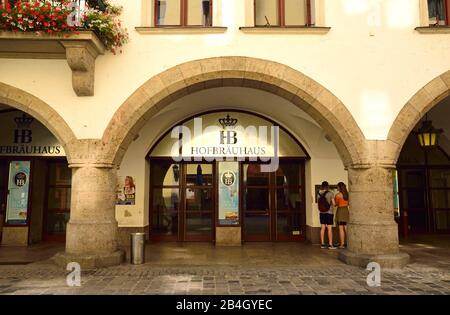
<point>161,90</point>
<point>421,103</point>
<point>41,111</point>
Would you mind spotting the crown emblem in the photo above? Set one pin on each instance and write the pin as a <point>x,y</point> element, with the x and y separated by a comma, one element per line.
<point>228,122</point>
<point>24,122</point>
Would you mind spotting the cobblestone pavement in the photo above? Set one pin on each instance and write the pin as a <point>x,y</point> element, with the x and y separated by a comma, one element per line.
<point>253,269</point>
<point>43,278</point>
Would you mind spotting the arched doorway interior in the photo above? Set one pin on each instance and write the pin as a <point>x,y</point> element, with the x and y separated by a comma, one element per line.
<point>424,178</point>
<point>221,182</point>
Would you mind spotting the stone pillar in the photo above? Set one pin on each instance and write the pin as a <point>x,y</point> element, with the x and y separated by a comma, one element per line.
<point>91,238</point>
<point>372,230</point>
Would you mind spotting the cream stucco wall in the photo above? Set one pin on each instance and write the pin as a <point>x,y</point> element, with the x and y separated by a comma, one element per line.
<point>372,59</point>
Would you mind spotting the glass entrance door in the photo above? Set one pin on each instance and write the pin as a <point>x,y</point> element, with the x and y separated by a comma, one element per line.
<point>183,201</point>
<point>57,209</point>
<point>3,192</point>
<point>165,200</point>
<point>273,203</point>
<point>439,179</point>
<point>425,199</point>
<point>256,203</point>
<point>413,198</point>
<point>199,202</point>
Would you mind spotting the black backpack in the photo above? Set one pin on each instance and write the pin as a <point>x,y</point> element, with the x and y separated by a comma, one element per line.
<point>324,205</point>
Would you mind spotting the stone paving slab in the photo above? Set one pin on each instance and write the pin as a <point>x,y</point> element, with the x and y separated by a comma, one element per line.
<point>45,278</point>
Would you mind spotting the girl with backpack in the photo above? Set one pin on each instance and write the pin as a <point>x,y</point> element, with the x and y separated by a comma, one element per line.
<point>342,213</point>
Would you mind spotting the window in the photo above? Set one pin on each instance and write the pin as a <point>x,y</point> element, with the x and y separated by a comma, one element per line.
<point>284,13</point>
<point>11,2</point>
<point>438,12</point>
<point>183,13</point>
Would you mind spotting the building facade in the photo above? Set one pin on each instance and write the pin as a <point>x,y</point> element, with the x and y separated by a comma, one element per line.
<point>90,140</point>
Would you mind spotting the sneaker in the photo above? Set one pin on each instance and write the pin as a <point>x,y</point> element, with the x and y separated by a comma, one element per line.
<point>323,246</point>
<point>332,247</point>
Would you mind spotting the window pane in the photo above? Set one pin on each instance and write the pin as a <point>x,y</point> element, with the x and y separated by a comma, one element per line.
<point>440,199</point>
<point>199,199</point>
<point>165,211</point>
<point>169,12</point>
<point>288,223</point>
<point>289,199</point>
<point>60,174</point>
<point>56,223</point>
<point>436,12</point>
<point>288,174</point>
<point>440,178</point>
<point>413,178</point>
<point>256,224</point>
<point>199,174</point>
<point>414,199</point>
<point>165,173</point>
<point>199,12</point>
<point>254,177</point>
<point>199,223</point>
<point>166,200</point>
<point>295,12</point>
<point>266,12</point>
<point>256,199</point>
<point>442,220</point>
<point>59,199</point>
<point>417,220</point>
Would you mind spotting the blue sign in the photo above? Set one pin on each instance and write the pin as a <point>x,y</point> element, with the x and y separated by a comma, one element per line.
<point>18,186</point>
<point>228,193</point>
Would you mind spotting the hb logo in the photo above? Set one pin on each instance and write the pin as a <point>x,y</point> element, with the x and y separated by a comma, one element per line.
<point>228,178</point>
<point>23,136</point>
<point>229,136</point>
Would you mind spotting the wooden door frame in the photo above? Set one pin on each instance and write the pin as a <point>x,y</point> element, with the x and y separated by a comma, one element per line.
<point>273,213</point>
<point>430,210</point>
<point>192,238</point>
<point>45,236</point>
<point>181,215</point>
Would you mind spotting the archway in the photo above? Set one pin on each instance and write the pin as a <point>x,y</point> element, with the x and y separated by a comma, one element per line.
<point>184,79</point>
<point>423,171</point>
<point>413,111</point>
<point>372,230</point>
<point>38,109</point>
<point>35,178</point>
<point>229,99</point>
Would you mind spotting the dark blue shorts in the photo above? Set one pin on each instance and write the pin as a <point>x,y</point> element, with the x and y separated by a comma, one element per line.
<point>326,218</point>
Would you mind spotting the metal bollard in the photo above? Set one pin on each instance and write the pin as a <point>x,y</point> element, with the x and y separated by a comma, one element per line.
<point>137,251</point>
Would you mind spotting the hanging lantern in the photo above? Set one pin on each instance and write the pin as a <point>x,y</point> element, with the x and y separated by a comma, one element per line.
<point>428,135</point>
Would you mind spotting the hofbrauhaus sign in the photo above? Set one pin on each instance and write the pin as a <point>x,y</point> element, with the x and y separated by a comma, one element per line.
<point>227,135</point>
<point>22,135</point>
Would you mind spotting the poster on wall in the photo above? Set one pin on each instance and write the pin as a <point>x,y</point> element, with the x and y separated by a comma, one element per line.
<point>229,193</point>
<point>18,186</point>
<point>125,191</point>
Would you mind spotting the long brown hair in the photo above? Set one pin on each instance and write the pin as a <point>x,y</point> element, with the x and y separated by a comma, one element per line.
<point>343,189</point>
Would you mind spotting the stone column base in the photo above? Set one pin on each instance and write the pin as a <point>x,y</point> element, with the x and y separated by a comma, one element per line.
<point>389,261</point>
<point>90,261</point>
